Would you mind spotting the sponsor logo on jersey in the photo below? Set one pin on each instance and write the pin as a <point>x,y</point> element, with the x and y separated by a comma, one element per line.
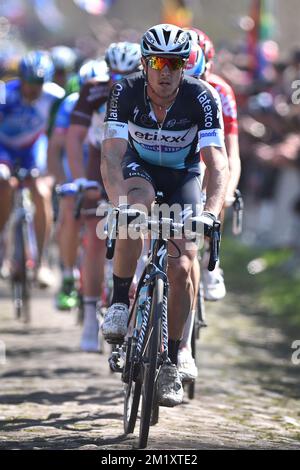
<point>184,122</point>
<point>147,121</point>
<point>206,104</point>
<point>156,136</point>
<point>162,148</point>
<point>113,102</point>
<point>135,113</point>
<point>209,134</point>
<point>171,123</point>
<point>133,166</point>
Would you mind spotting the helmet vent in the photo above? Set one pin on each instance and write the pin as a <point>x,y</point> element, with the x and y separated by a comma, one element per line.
<point>167,35</point>
<point>155,35</point>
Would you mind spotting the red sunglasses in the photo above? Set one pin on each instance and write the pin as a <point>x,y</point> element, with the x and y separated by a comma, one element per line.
<point>173,63</point>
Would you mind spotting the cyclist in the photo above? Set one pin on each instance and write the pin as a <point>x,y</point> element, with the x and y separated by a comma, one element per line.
<point>199,66</point>
<point>64,59</point>
<point>23,123</point>
<point>213,281</point>
<point>87,119</point>
<point>68,230</point>
<point>156,122</point>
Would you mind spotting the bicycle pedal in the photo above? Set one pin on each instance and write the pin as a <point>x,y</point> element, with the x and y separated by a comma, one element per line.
<point>114,363</point>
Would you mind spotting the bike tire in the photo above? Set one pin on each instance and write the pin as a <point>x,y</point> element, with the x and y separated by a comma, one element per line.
<point>20,289</point>
<point>150,369</point>
<point>191,385</point>
<point>133,391</point>
<point>199,323</point>
<point>133,388</point>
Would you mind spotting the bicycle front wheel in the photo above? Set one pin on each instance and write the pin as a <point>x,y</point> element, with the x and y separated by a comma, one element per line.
<point>20,283</point>
<point>133,387</point>
<point>150,363</point>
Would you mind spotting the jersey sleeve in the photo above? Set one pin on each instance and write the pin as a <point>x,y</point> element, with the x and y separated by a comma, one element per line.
<point>118,112</point>
<point>210,120</point>
<point>62,119</point>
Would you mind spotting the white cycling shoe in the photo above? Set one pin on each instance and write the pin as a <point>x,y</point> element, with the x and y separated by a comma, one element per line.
<point>186,365</point>
<point>213,284</point>
<point>114,326</point>
<point>169,386</point>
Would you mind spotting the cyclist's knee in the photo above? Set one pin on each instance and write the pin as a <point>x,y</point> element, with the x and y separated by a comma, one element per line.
<point>179,270</point>
<point>141,196</point>
<point>41,190</point>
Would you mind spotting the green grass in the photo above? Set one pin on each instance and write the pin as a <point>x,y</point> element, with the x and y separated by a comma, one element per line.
<point>275,286</point>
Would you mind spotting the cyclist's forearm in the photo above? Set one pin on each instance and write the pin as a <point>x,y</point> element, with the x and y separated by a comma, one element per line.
<point>54,160</point>
<point>234,161</point>
<point>75,140</point>
<point>75,158</point>
<point>113,179</point>
<point>113,151</point>
<point>218,175</point>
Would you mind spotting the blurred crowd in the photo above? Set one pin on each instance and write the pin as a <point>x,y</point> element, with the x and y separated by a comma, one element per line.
<point>269,119</point>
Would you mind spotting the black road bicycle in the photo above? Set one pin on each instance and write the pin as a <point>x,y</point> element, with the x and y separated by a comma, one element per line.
<point>24,250</point>
<point>145,348</point>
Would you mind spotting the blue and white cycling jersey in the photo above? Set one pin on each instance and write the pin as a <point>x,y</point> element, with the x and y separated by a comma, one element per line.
<point>62,124</point>
<point>63,115</point>
<point>194,121</point>
<point>21,123</point>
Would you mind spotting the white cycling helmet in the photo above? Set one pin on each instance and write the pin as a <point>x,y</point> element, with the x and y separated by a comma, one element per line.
<point>64,58</point>
<point>165,39</point>
<point>94,69</point>
<point>195,66</point>
<point>125,57</point>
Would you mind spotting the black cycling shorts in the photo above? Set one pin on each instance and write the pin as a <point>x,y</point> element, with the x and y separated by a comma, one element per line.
<point>181,187</point>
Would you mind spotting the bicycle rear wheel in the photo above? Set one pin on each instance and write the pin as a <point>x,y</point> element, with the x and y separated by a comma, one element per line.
<point>150,364</point>
<point>191,385</point>
<point>199,323</point>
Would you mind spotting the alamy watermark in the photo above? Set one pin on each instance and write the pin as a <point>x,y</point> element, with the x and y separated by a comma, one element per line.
<point>296,353</point>
<point>296,93</point>
<point>2,92</point>
<point>2,353</point>
<point>186,226</point>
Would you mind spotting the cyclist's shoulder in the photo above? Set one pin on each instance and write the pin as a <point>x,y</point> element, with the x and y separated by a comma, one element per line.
<point>94,90</point>
<point>70,100</point>
<point>53,91</point>
<point>133,83</point>
<point>68,103</point>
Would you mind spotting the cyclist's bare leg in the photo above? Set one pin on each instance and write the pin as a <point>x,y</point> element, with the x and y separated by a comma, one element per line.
<point>41,195</point>
<point>189,324</point>
<point>181,294</point>
<point>68,233</point>
<point>139,191</point>
<point>94,261</point>
<point>92,275</point>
